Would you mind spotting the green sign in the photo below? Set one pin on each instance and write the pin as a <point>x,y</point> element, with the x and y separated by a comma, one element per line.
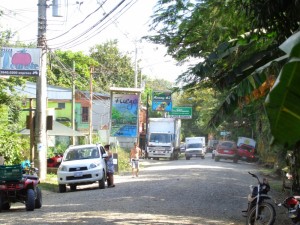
<point>181,112</point>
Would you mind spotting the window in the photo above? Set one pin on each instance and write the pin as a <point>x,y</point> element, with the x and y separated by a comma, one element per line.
<point>85,114</point>
<point>61,105</point>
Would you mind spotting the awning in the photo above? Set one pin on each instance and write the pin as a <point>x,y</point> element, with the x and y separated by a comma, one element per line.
<point>58,130</point>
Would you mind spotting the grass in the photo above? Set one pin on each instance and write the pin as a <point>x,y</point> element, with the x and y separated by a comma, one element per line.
<point>275,181</point>
<point>50,183</point>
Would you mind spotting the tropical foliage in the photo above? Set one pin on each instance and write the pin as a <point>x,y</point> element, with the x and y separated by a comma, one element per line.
<point>237,45</point>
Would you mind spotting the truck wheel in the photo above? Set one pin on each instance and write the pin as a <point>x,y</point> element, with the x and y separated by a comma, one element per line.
<point>38,200</point>
<point>62,188</point>
<point>73,187</point>
<point>30,200</point>
<point>102,183</point>
<point>187,158</point>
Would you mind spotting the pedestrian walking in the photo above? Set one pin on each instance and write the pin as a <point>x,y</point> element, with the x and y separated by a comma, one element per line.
<point>135,154</point>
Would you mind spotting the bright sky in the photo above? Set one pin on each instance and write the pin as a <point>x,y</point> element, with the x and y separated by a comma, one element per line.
<point>84,23</point>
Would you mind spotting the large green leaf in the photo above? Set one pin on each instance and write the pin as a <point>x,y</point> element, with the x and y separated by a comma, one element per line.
<point>282,103</point>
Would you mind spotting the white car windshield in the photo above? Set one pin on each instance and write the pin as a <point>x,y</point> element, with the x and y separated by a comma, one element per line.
<point>82,153</point>
<point>195,145</point>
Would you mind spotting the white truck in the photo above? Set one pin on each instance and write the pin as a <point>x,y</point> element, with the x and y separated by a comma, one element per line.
<point>195,147</point>
<point>163,138</point>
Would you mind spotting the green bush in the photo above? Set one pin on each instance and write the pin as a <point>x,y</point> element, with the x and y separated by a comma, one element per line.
<point>123,160</point>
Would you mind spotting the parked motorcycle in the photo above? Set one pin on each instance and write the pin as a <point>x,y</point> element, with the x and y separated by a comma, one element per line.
<point>259,210</point>
<point>292,204</point>
<point>18,185</point>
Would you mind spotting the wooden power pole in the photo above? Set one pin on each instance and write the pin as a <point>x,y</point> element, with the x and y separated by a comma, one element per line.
<point>41,95</point>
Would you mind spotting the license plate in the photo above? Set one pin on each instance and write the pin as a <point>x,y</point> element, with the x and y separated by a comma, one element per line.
<point>194,155</point>
<point>78,174</point>
<point>226,151</point>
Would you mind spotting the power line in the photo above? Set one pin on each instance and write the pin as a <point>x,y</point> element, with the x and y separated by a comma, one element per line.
<point>78,39</point>
<point>79,22</point>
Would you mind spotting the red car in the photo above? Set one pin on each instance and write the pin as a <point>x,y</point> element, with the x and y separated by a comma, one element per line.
<point>54,161</point>
<point>226,150</point>
<point>246,152</point>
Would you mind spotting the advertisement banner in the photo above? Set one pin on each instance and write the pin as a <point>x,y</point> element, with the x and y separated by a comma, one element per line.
<point>20,61</point>
<point>124,115</point>
<point>161,101</point>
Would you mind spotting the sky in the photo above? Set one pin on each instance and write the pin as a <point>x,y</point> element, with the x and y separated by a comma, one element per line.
<point>85,23</point>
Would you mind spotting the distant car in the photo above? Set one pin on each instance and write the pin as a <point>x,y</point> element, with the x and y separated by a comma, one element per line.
<point>211,145</point>
<point>194,150</point>
<point>82,164</point>
<point>226,150</point>
<point>54,161</point>
<point>247,153</point>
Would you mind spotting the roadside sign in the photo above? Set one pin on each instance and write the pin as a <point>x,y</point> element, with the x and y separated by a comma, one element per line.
<point>225,133</point>
<point>181,112</point>
<point>20,61</point>
<point>161,101</point>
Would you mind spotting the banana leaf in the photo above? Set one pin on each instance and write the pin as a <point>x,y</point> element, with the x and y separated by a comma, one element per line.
<point>283,101</point>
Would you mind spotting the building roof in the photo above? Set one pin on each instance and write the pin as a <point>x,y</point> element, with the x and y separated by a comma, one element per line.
<point>53,92</point>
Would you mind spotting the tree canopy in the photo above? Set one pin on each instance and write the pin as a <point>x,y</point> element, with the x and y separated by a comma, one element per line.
<point>236,44</point>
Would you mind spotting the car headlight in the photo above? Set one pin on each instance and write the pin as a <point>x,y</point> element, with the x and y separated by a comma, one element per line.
<point>93,165</point>
<point>62,168</point>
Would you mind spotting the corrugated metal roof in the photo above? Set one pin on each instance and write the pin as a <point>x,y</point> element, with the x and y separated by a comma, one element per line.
<point>53,92</point>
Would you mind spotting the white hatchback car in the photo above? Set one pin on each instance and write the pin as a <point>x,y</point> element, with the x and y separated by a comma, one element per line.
<point>82,164</point>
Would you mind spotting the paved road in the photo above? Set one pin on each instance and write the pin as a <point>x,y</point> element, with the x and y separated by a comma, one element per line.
<point>196,191</point>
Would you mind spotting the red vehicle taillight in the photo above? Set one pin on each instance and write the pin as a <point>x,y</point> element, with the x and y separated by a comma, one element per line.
<point>291,202</point>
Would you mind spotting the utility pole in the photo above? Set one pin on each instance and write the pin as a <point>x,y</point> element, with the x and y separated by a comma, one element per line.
<point>31,127</point>
<point>73,102</point>
<point>41,95</point>
<point>91,107</point>
<point>135,69</point>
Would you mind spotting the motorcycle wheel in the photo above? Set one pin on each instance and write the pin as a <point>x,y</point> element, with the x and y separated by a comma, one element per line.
<point>266,215</point>
<point>30,200</point>
<point>6,206</point>
<point>1,203</point>
<point>38,200</point>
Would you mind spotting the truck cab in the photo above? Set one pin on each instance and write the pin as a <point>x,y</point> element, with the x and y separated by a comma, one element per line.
<point>163,138</point>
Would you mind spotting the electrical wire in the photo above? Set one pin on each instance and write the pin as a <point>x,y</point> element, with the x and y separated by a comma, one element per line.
<point>99,31</point>
<point>79,22</point>
<point>78,39</point>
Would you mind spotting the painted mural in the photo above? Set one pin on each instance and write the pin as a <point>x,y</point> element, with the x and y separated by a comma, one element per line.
<point>124,115</point>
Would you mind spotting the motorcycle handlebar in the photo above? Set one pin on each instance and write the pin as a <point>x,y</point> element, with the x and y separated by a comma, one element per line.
<point>255,176</point>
